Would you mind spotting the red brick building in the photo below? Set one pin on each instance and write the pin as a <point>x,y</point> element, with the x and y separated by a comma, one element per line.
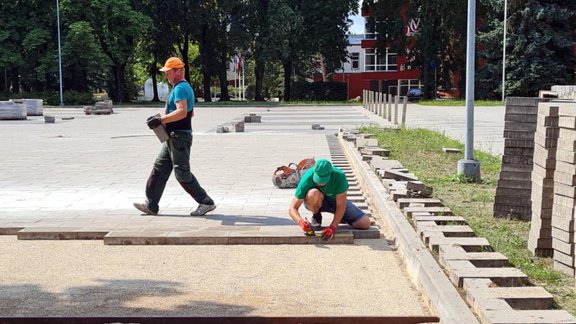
<point>369,69</point>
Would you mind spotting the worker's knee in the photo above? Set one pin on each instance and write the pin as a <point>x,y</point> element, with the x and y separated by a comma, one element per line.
<point>362,223</point>
<point>182,173</point>
<point>314,198</point>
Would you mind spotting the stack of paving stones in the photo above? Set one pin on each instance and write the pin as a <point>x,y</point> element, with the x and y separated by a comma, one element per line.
<point>513,193</point>
<point>33,106</point>
<point>564,207</point>
<point>12,111</point>
<point>497,292</point>
<point>545,140</point>
<point>252,118</point>
<point>104,107</point>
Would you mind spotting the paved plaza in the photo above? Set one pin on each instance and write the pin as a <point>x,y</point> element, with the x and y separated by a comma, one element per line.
<point>87,172</point>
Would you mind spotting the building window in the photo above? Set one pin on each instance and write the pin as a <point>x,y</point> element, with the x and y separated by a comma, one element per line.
<point>378,62</point>
<point>355,60</point>
<point>406,85</point>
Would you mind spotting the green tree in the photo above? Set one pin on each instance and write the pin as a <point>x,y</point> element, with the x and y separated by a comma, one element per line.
<point>539,51</point>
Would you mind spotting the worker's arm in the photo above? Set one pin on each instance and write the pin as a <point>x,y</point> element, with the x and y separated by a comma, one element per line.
<point>180,112</point>
<point>295,215</point>
<point>293,211</point>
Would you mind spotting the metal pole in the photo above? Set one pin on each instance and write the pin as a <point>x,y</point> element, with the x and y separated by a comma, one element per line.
<point>468,166</point>
<point>504,52</point>
<point>59,52</point>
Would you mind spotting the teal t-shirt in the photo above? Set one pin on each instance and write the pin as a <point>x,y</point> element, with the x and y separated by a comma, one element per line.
<point>181,91</point>
<point>336,185</point>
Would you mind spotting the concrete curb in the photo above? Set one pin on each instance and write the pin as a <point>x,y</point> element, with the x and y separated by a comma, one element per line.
<point>438,291</point>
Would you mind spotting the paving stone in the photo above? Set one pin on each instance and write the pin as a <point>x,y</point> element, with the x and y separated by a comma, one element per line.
<point>437,210</point>
<point>428,202</point>
<point>460,270</point>
<point>136,238</point>
<point>425,231</point>
<point>396,175</point>
<point>518,298</point>
<point>479,259</point>
<point>59,233</point>
<point>440,220</point>
<point>471,244</point>
<point>528,316</point>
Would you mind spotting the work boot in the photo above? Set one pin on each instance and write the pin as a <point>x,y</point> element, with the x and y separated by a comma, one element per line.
<point>316,222</point>
<point>143,207</point>
<point>203,209</point>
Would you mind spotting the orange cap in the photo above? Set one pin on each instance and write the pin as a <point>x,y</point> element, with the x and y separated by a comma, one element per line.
<point>172,63</point>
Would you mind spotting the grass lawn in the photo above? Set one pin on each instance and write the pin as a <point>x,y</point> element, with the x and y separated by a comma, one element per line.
<point>458,102</point>
<point>420,151</point>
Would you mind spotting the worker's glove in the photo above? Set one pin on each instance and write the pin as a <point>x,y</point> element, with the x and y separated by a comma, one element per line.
<point>329,232</point>
<point>306,227</point>
<point>154,121</point>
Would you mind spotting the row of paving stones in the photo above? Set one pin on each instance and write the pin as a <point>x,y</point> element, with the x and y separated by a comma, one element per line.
<point>497,292</point>
<point>201,233</point>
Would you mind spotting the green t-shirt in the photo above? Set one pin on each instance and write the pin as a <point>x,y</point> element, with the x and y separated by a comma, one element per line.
<point>336,185</point>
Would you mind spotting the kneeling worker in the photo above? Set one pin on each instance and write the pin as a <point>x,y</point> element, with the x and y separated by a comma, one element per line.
<point>323,189</point>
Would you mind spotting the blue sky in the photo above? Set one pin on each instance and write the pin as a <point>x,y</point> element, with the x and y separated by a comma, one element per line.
<point>357,21</point>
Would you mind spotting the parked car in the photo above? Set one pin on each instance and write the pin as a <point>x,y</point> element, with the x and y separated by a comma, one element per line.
<point>415,94</point>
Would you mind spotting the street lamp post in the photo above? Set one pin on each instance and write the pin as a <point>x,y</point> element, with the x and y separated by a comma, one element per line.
<point>468,166</point>
<point>59,52</point>
<point>504,52</point>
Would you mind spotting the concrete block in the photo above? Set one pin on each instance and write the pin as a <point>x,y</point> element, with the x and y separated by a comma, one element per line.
<point>435,210</point>
<point>440,220</point>
<point>450,150</point>
<point>521,118</point>
<point>546,121</point>
<point>511,159</point>
<point>427,202</point>
<point>33,106</point>
<point>519,126</point>
<point>569,270</point>
<point>548,109</point>
<point>420,188</point>
<point>567,144</point>
<point>544,152</point>
<point>518,298</point>
<point>528,316</point>
<point>59,233</point>
<point>564,190</point>
<point>566,156</point>
<point>470,244</point>
<point>568,202</point>
<point>515,184</point>
<point>544,141</point>
<point>508,142</point>
<point>563,247</point>
<point>543,172</point>
<point>519,151</point>
<point>206,237</point>
<point>460,270</point>
<point>568,122</point>
<point>523,105</point>
<point>12,111</point>
<point>392,174</point>
<point>136,238</point>
<point>519,135</point>
<point>373,150</point>
<point>479,259</point>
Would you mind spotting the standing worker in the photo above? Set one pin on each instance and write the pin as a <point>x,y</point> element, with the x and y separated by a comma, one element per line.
<point>175,152</point>
<point>323,189</point>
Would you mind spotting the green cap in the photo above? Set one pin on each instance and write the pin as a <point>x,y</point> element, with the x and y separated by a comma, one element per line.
<point>322,171</point>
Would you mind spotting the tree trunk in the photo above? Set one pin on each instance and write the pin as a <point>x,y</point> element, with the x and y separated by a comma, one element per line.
<point>287,79</point>
<point>184,53</point>
<point>259,72</point>
<point>118,94</point>
<point>15,80</point>
<point>155,98</point>
<point>206,82</point>
<point>223,77</point>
